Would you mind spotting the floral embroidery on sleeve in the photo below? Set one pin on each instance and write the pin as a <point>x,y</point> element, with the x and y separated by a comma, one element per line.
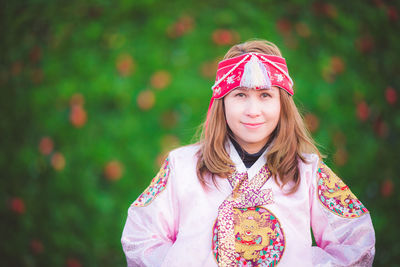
<point>336,196</point>
<point>156,186</point>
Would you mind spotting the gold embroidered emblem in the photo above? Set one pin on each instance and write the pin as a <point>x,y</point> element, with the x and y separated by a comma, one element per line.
<point>259,238</point>
<point>336,196</point>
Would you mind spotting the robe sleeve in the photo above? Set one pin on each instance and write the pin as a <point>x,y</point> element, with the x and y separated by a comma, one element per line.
<point>341,225</point>
<point>151,226</point>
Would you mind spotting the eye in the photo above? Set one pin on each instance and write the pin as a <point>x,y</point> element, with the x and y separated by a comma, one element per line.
<point>240,95</point>
<point>265,95</point>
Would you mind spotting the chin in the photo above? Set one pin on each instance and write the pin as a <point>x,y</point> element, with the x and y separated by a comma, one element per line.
<point>255,141</point>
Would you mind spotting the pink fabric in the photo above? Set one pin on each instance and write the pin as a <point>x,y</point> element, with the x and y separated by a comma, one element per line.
<point>176,228</point>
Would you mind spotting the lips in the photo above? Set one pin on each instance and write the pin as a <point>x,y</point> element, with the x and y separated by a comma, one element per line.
<point>252,125</point>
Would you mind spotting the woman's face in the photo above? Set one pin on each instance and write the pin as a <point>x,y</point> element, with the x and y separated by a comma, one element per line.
<point>252,115</point>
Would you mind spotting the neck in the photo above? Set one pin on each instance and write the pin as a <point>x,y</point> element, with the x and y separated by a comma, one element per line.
<point>248,158</point>
<point>252,149</point>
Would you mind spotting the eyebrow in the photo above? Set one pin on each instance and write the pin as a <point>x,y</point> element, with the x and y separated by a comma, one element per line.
<point>258,90</point>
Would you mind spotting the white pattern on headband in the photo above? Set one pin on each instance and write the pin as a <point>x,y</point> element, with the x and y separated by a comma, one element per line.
<point>230,71</point>
<point>279,68</point>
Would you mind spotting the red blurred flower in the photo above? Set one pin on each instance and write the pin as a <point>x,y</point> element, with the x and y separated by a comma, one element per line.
<point>302,29</point>
<point>284,26</point>
<point>17,205</point>
<point>225,37</point>
<point>184,25</point>
<point>391,95</point>
<point>362,111</point>
<point>35,54</point>
<point>365,44</point>
<point>72,262</point>
<point>392,13</point>
<point>337,64</point>
<point>125,65</point>
<point>169,119</point>
<point>160,79</point>
<point>78,116</point>
<point>58,161</point>
<point>379,3</point>
<point>113,170</point>
<point>209,68</point>
<point>37,246</point>
<point>146,100</point>
<point>380,127</point>
<point>312,122</point>
<point>330,10</point>
<point>325,9</point>
<point>387,188</point>
<point>16,68</point>
<point>331,70</point>
<point>340,157</point>
<point>46,145</point>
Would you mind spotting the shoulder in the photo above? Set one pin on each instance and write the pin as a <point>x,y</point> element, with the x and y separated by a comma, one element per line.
<point>185,154</point>
<point>308,167</point>
<point>176,168</point>
<point>335,195</point>
<point>311,158</point>
<point>311,161</point>
<point>184,157</point>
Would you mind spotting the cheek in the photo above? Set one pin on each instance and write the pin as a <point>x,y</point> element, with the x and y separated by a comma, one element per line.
<point>273,112</point>
<point>229,116</point>
<point>232,113</point>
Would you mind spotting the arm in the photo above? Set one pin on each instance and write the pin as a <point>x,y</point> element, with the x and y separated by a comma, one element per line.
<point>151,226</point>
<point>341,224</point>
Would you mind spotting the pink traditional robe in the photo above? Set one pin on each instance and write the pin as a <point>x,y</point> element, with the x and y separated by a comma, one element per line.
<point>175,222</point>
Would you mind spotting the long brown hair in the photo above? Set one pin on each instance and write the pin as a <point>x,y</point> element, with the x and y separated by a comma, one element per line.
<point>291,137</point>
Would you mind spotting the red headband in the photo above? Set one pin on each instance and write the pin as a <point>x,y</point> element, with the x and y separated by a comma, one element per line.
<point>251,70</point>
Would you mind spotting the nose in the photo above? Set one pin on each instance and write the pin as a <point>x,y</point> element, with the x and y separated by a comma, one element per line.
<point>253,108</point>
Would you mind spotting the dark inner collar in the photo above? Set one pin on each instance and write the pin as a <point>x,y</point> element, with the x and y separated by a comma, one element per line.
<point>247,158</point>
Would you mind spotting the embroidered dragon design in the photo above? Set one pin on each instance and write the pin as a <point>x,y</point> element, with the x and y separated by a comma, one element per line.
<point>253,232</point>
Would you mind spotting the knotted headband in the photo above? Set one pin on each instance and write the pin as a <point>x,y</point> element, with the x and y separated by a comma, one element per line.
<point>251,70</point>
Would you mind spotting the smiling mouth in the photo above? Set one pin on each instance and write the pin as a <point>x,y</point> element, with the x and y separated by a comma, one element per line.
<point>252,125</point>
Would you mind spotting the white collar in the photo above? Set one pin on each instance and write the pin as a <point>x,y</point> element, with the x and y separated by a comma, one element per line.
<point>239,165</point>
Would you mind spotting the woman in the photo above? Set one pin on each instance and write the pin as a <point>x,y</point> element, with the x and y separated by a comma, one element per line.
<point>249,191</point>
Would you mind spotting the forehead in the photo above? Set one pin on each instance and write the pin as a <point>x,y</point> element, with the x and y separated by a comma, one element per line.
<point>272,89</point>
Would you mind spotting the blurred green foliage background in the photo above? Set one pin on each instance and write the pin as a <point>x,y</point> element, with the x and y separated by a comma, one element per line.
<point>95,93</point>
